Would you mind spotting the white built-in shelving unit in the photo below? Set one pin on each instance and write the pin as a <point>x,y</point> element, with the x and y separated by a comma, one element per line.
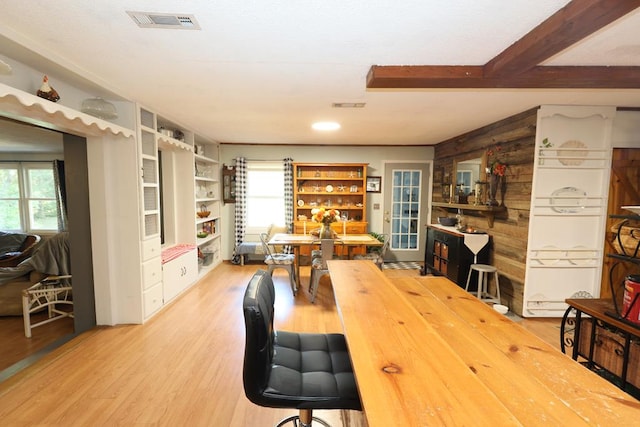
<point>207,198</point>
<point>179,176</point>
<point>568,207</point>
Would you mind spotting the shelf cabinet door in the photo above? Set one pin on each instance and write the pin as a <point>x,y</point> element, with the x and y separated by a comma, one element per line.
<point>150,187</point>
<point>179,274</point>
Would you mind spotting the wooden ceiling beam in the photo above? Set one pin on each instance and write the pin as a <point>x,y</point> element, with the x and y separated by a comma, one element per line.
<point>467,77</point>
<point>569,25</point>
<point>518,65</point>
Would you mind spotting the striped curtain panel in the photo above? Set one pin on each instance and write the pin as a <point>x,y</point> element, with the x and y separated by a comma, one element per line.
<point>288,198</point>
<point>241,206</point>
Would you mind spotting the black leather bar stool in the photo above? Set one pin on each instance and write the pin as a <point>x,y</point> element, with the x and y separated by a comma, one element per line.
<point>293,370</point>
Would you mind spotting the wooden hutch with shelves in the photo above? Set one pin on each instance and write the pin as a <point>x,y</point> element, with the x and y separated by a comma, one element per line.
<point>339,186</point>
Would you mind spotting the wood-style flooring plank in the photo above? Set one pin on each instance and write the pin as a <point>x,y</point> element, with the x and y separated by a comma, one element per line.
<point>15,347</point>
<point>183,367</point>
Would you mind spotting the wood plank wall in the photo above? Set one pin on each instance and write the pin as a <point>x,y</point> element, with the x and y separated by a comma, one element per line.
<point>624,190</point>
<point>516,137</point>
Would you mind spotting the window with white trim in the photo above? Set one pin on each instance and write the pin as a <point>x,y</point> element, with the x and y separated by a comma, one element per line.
<point>265,195</point>
<point>28,197</point>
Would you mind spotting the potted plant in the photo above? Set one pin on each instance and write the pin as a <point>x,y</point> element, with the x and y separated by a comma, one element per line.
<point>380,238</point>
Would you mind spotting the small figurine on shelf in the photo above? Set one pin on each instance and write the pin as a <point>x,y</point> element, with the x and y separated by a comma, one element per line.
<point>461,221</point>
<point>47,92</point>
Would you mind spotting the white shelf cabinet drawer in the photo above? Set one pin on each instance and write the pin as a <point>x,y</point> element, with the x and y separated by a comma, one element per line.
<point>152,300</point>
<point>151,248</point>
<point>151,272</point>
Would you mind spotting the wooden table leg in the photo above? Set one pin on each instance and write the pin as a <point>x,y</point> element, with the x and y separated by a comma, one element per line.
<point>296,256</point>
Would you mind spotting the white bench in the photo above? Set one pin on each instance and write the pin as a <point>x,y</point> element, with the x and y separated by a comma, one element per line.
<point>253,246</point>
<point>248,248</point>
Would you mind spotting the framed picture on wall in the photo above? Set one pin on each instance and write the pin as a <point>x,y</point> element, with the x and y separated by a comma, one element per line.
<point>374,184</point>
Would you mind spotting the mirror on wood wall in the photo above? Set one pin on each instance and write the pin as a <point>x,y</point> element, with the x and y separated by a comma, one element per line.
<point>466,172</point>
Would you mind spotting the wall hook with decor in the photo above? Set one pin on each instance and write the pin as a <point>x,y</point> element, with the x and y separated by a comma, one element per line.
<point>228,184</point>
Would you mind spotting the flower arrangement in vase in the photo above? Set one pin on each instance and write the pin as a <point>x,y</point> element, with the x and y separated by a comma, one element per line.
<point>495,166</point>
<point>325,217</point>
<point>496,170</point>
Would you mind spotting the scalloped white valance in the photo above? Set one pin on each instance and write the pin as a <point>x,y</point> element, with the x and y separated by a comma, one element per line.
<point>23,106</point>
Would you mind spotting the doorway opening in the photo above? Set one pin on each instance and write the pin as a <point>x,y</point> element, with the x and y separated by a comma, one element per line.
<point>22,141</point>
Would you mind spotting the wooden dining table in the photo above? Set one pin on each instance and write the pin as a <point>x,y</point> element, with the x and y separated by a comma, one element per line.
<point>297,240</point>
<point>425,352</point>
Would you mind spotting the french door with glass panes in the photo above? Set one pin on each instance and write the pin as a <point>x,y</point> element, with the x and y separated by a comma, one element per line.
<point>405,209</point>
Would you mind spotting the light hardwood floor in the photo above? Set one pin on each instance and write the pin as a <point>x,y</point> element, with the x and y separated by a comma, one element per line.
<point>183,367</point>
<point>15,347</point>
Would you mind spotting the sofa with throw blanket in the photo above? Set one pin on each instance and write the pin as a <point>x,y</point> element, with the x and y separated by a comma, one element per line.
<point>51,258</point>
<point>16,247</point>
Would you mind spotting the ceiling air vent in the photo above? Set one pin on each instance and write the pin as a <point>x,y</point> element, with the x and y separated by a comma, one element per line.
<point>348,105</point>
<point>164,20</point>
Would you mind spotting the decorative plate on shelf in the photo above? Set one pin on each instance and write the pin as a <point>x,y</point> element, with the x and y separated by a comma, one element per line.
<point>568,200</point>
<point>300,202</point>
<point>329,188</point>
<point>570,152</point>
<point>581,255</point>
<point>548,255</point>
<point>581,294</point>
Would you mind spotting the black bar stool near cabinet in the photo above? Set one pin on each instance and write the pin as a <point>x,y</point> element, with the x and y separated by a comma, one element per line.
<point>293,370</point>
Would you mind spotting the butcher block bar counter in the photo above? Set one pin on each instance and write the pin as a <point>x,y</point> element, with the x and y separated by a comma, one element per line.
<point>427,353</point>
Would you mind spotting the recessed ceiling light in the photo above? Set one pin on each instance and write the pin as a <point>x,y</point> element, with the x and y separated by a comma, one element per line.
<point>326,126</point>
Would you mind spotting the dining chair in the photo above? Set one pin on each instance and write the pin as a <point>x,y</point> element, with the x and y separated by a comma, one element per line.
<point>377,254</point>
<point>303,371</point>
<point>279,260</point>
<point>337,253</point>
<point>319,265</point>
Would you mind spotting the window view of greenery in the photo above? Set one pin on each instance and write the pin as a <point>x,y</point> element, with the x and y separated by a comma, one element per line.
<point>265,195</point>
<point>27,197</point>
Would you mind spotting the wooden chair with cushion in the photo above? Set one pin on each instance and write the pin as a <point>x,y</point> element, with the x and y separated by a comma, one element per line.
<point>377,254</point>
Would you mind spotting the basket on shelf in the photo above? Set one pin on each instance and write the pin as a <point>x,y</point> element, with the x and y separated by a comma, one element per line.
<point>608,351</point>
<point>203,212</point>
<point>626,239</point>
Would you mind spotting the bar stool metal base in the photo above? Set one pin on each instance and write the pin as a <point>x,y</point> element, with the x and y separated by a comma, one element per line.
<point>304,419</point>
<point>483,288</point>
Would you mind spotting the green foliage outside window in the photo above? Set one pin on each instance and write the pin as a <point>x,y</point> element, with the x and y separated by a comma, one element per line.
<point>38,199</point>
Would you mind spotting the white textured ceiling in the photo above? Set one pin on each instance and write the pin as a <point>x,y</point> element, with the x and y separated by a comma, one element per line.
<point>263,71</point>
